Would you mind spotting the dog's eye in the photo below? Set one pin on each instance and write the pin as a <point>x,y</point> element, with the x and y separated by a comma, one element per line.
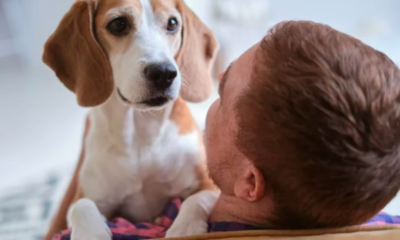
<point>119,26</point>
<point>172,25</point>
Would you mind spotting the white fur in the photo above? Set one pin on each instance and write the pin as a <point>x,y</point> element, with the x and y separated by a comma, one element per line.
<point>194,213</point>
<point>87,222</point>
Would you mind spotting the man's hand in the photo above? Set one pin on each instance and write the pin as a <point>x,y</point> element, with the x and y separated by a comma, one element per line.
<point>193,216</point>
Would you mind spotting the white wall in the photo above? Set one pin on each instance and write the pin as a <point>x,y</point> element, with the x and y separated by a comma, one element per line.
<point>374,21</point>
<point>32,22</point>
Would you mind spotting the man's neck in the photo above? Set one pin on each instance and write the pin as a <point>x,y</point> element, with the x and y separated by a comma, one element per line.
<point>232,209</point>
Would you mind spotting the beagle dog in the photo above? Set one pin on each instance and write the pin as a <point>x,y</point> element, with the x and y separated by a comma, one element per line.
<point>136,62</point>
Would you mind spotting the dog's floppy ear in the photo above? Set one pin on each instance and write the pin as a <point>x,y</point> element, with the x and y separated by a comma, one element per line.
<point>196,56</point>
<point>77,58</point>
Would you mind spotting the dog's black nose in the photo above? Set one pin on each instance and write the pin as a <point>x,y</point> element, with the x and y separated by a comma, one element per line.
<point>162,75</point>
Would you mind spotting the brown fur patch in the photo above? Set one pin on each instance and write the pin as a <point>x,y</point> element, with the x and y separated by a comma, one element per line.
<point>182,117</point>
<point>196,56</point>
<point>74,54</point>
<point>109,9</point>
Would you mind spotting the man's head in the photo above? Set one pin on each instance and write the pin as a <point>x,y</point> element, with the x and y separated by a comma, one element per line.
<point>308,121</point>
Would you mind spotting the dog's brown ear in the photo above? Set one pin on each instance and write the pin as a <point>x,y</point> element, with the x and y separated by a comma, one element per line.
<point>196,56</point>
<point>77,58</point>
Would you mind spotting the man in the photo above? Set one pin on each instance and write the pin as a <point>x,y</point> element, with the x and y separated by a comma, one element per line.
<point>306,134</point>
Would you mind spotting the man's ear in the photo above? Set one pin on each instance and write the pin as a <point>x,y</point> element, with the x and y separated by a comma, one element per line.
<point>250,186</point>
<point>76,57</point>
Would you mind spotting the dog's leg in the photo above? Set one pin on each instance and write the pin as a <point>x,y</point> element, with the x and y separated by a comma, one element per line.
<point>86,222</point>
<point>193,216</point>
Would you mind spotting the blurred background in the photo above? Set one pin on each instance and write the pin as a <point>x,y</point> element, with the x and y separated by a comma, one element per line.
<point>41,125</point>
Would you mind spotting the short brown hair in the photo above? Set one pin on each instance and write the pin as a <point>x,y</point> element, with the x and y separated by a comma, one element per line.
<point>321,120</point>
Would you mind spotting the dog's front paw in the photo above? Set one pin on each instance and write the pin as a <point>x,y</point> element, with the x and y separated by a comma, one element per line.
<point>187,227</point>
<point>87,223</point>
<point>193,216</point>
<point>93,233</point>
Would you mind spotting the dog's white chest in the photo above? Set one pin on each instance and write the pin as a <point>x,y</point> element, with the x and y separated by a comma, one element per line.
<point>139,180</point>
